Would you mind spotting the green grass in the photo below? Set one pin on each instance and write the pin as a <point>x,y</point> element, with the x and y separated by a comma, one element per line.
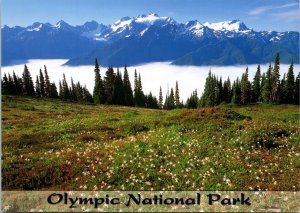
<point>50,144</point>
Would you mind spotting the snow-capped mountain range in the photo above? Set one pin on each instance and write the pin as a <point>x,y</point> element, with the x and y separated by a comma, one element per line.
<point>148,38</point>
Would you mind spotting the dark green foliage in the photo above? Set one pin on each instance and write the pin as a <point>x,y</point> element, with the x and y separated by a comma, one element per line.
<point>53,91</point>
<point>99,93</point>
<point>213,91</point>
<point>236,92</point>
<point>192,101</point>
<point>128,94</point>
<point>5,85</point>
<point>160,99</point>
<point>227,92</point>
<point>151,101</point>
<point>139,97</point>
<point>177,97</point>
<point>256,86</point>
<point>118,92</point>
<point>47,82</point>
<point>37,87</point>
<point>275,81</point>
<point>109,84</point>
<point>17,84</point>
<point>42,84</point>
<point>289,85</point>
<point>266,90</point>
<point>28,83</point>
<point>65,89</point>
<point>245,88</point>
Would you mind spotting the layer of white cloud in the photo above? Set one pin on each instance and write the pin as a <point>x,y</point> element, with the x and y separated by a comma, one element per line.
<point>153,75</point>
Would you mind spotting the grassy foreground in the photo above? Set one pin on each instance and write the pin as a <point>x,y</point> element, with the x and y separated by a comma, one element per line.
<point>49,144</point>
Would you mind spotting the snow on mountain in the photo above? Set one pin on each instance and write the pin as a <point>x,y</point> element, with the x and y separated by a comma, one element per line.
<point>234,25</point>
<point>154,19</point>
<point>132,34</point>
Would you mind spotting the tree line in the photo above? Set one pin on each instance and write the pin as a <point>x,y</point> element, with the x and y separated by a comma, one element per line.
<point>15,85</point>
<point>265,87</point>
<point>115,89</point>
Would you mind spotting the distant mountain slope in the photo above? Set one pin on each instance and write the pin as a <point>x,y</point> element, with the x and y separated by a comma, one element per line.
<point>148,38</point>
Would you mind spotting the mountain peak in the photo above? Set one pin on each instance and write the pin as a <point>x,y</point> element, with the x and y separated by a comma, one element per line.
<point>235,25</point>
<point>62,24</point>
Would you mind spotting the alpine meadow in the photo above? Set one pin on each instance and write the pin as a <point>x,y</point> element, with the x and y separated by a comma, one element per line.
<point>237,136</point>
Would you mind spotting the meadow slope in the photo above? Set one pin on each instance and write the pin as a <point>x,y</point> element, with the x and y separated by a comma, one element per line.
<point>50,144</point>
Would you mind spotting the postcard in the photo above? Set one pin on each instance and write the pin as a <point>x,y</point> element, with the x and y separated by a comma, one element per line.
<point>150,106</point>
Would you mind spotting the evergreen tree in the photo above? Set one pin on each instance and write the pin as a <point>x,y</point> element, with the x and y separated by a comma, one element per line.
<point>17,85</point>
<point>65,88</point>
<point>236,92</point>
<point>151,101</point>
<point>289,85</point>
<point>87,97</point>
<point>245,88</point>
<point>47,82</point>
<point>171,100</point>
<point>5,85</point>
<point>109,85</point>
<point>177,98</point>
<point>42,84</point>
<point>275,81</point>
<point>128,95</point>
<point>11,85</point>
<point>266,90</point>
<point>192,101</point>
<point>208,97</point>
<point>99,92</point>
<point>37,87</point>
<point>28,83</point>
<point>118,90</point>
<point>53,91</point>
<point>139,97</point>
<point>283,90</point>
<point>72,91</point>
<point>160,99</point>
<point>256,86</point>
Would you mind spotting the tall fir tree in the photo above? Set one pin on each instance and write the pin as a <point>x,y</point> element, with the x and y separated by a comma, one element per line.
<point>283,90</point>
<point>118,89</point>
<point>65,88</point>
<point>160,99</point>
<point>139,97</point>
<point>128,94</point>
<point>289,86</point>
<point>5,85</point>
<point>28,83</point>
<point>17,84</point>
<point>177,97</point>
<point>99,92</point>
<point>53,93</point>
<point>275,80</point>
<point>42,84</point>
<point>245,88</point>
<point>47,82</point>
<point>109,84</point>
<point>256,86</point>
<point>236,92</point>
<point>37,87</point>
<point>193,101</point>
<point>267,86</point>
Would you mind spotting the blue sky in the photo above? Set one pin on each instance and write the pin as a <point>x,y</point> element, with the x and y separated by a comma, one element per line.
<point>279,15</point>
